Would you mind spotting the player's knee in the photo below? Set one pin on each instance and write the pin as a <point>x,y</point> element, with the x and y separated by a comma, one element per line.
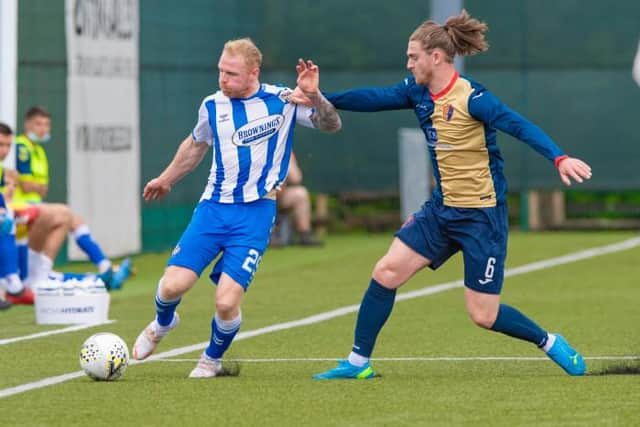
<point>61,214</point>
<point>303,193</point>
<point>485,318</point>
<point>388,273</point>
<point>299,194</point>
<point>76,220</point>
<point>173,286</point>
<point>170,290</point>
<point>226,309</point>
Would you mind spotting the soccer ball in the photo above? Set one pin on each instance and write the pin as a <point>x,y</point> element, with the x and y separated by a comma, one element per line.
<point>104,357</point>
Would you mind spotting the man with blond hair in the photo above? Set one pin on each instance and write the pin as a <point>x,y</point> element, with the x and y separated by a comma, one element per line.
<point>250,127</point>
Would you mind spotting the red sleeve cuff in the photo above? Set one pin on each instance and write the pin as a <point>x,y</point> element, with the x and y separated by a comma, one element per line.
<point>558,159</point>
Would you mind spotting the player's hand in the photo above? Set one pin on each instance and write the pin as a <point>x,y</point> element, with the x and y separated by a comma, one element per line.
<point>298,97</point>
<point>155,189</point>
<point>308,78</point>
<point>571,168</point>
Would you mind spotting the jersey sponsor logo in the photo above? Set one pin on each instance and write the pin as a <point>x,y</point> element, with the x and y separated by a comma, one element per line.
<point>447,112</point>
<point>257,131</point>
<point>223,118</point>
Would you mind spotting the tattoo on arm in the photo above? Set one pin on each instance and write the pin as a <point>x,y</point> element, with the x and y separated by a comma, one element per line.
<point>325,116</point>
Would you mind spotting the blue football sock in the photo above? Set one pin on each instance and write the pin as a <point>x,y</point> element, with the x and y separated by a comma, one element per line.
<point>23,259</point>
<point>375,309</point>
<point>165,310</point>
<point>89,246</point>
<point>515,324</point>
<point>222,334</point>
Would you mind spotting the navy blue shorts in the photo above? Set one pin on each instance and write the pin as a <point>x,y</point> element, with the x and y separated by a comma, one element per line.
<point>240,231</point>
<point>437,232</point>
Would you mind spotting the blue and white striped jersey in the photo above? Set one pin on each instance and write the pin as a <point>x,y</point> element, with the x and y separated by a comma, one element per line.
<point>252,140</point>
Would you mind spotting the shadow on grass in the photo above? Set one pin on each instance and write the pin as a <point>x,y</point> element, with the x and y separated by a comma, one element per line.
<point>619,368</point>
<point>230,369</point>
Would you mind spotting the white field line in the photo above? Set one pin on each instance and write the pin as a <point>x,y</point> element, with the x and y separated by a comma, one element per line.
<point>410,359</point>
<point>527,268</point>
<point>53,332</point>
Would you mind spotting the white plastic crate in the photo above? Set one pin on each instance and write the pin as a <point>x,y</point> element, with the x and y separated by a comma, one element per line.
<point>71,309</point>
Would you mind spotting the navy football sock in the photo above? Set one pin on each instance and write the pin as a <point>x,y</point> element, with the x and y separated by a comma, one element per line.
<point>515,324</point>
<point>222,334</point>
<point>375,309</point>
<point>165,310</point>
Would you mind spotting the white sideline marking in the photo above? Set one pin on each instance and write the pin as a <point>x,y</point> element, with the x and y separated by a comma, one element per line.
<point>53,332</point>
<point>409,359</point>
<point>527,268</point>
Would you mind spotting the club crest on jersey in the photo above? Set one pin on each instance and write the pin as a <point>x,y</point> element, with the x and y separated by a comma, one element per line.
<point>447,112</point>
<point>285,95</point>
<point>257,131</point>
<point>23,153</point>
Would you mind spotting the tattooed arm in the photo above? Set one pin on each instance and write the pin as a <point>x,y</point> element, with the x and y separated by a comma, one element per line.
<point>325,117</point>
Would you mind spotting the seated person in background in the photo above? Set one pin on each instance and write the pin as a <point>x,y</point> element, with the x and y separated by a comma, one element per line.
<point>33,184</point>
<point>45,226</point>
<point>293,199</point>
<point>49,224</point>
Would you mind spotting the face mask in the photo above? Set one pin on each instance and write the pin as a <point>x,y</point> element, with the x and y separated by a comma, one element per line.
<point>33,137</point>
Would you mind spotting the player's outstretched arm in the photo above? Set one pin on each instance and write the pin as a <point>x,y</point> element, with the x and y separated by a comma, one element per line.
<point>325,117</point>
<point>188,156</point>
<point>572,168</point>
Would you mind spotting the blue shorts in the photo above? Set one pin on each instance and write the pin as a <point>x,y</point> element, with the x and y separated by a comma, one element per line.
<point>240,231</point>
<point>8,255</point>
<point>437,232</point>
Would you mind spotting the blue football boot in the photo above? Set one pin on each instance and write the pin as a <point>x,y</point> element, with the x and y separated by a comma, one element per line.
<point>565,356</point>
<point>346,370</point>
<point>121,274</point>
<point>106,277</point>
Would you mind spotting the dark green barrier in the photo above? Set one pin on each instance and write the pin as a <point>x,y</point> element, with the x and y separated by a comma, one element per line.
<point>566,65</point>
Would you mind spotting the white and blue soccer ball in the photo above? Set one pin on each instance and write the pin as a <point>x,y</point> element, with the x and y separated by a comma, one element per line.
<point>104,357</point>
